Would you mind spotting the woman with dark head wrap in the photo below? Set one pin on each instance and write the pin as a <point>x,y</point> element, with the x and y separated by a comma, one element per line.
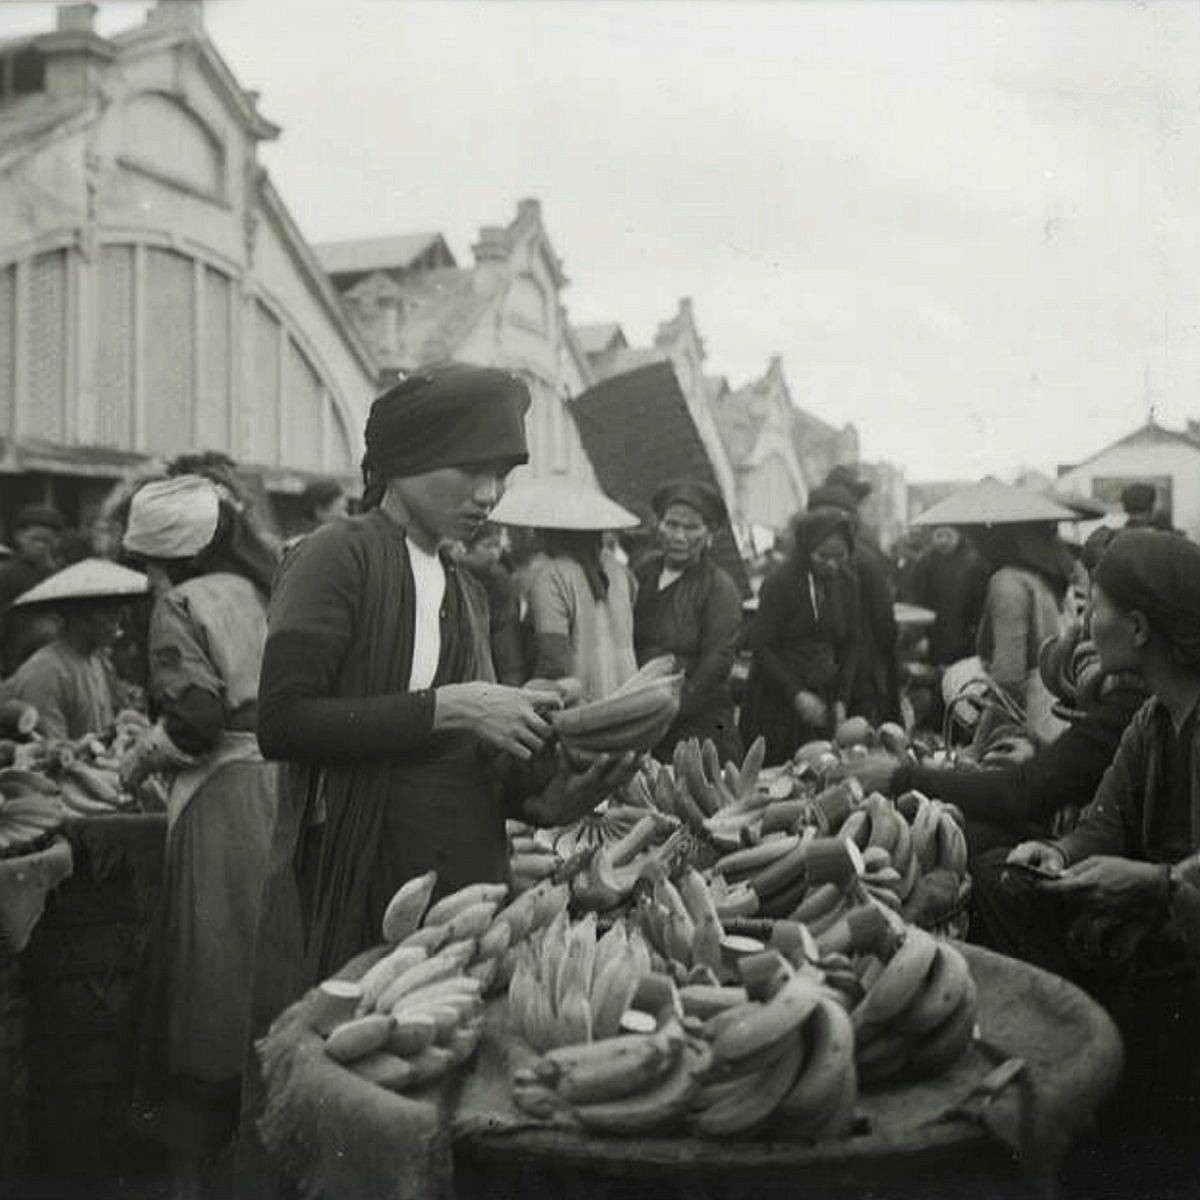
<point>688,606</point>
<point>1104,919</point>
<point>803,638</point>
<point>211,576</point>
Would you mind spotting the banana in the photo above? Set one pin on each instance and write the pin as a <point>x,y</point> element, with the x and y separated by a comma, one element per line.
<point>783,903</point>
<point>951,845</point>
<point>902,851</point>
<point>575,971</point>
<point>752,764</point>
<point>465,1041</point>
<point>876,858</point>
<point>619,1073</point>
<point>664,794</point>
<point>471,922</point>
<point>495,940</point>
<point>887,897</point>
<point>431,940</point>
<point>430,1065</point>
<point>662,666</point>
<point>883,824</point>
<point>819,926</point>
<point>741,900</point>
<point>705,1002</point>
<point>856,828</point>
<point>821,1100</point>
<point>443,965</point>
<point>443,991</point>
<point>450,906</point>
<point>574,1017</point>
<point>924,835</point>
<point>359,1037</point>
<point>412,1034</point>
<point>656,1107</point>
<point>882,1058</point>
<point>620,708</point>
<point>695,781</point>
<point>912,873</point>
<point>335,1002</point>
<point>643,732</point>
<point>947,1043</point>
<point>612,993</point>
<point>407,907</point>
<point>681,930</point>
<point>817,903</point>
<point>753,1103</point>
<point>900,981</point>
<point>787,1009</point>
<point>948,982</point>
<point>781,873</point>
<point>706,944</point>
<point>535,865</point>
<point>385,1070</point>
<point>694,892</point>
<point>749,861</point>
<point>375,980</point>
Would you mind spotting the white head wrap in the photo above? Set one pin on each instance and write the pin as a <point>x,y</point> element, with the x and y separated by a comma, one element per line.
<point>173,518</point>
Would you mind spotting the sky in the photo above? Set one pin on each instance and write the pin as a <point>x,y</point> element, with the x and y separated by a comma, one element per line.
<point>972,229</point>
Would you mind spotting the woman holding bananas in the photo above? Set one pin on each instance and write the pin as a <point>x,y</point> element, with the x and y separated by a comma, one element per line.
<point>688,607</point>
<point>803,639</point>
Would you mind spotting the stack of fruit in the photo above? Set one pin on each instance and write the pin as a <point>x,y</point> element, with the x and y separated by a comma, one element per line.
<point>781,1045</point>
<point>417,1011</point>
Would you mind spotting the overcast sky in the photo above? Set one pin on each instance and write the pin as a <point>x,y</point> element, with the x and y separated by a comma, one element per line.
<point>973,229</point>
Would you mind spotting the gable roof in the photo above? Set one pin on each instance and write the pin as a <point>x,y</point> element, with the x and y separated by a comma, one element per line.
<point>638,433</point>
<point>362,255</point>
<point>1150,432</point>
<point>439,309</point>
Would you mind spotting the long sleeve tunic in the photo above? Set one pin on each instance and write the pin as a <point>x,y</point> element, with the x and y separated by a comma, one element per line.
<point>696,618</point>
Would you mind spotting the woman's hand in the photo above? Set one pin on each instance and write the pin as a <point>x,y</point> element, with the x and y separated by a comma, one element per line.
<point>579,784</point>
<point>1109,881</point>
<point>875,772</point>
<point>1044,856</point>
<point>505,717</point>
<point>810,708</point>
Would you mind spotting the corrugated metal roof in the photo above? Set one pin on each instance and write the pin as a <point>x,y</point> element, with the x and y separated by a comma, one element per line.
<point>374,254</point>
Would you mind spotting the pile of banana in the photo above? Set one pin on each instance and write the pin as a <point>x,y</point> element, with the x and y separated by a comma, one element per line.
<point>570,987</point>
<point>917,1015</point>
<point>417,1012</point>
<point>635,717</point>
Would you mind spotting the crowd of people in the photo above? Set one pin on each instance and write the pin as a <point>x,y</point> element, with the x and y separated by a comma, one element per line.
<point>346,709</point>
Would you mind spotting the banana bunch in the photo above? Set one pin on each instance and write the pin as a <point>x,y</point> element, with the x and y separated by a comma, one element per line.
<point>783,1058</point>
<point>883,835</point>
<point>631,1084</point>
<point>682,925</point>
<point>937,833</point>
<point>30,813</point>
<point>635,717</point>
<point>569,987</point>
<point>917,1014</point>
<point>610,874</point>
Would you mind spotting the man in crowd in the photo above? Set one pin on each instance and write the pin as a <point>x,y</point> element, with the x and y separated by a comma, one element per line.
<point>951,579</point>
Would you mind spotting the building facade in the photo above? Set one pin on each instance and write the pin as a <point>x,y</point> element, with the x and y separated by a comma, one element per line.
<point>155,294</point>
<point>413,306</point>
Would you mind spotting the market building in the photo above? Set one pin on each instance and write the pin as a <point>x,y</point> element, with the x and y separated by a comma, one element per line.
<point>156,295</point>
<point>414,305</point>
<point>1167,458</point>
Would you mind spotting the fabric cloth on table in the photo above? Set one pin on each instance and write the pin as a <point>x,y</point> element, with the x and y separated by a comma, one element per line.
<point>695,618</point>
<point>25,882</point>
<point>599,633</point>
<point>74,693</point>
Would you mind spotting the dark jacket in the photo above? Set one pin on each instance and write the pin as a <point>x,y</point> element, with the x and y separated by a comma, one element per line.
<point>1126,815</point>
<point>876,690</point>
<point>1013,803</point>
<point>953,586</point>
<point>696,619</point>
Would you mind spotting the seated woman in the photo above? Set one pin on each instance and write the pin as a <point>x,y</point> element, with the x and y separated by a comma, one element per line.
<point>688,606</point>
<point>803,639</point>
<point>1104,919</point>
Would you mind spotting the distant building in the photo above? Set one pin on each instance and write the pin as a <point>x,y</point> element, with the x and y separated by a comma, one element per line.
<point>758,427</point>
<point>413,306</point>
<point>155,293</point>
<point>885,511</point>
<point>1166,458</point>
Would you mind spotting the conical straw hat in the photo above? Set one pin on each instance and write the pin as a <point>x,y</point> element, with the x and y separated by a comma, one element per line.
<point>91,579</point>
<point>991,502</point>
<point>561,503</point>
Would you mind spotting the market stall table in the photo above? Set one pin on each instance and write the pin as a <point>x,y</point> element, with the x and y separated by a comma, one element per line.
<point>345,1139</point>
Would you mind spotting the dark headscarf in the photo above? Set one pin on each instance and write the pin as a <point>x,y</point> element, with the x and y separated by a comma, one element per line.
<point>833,495</point>
<point>1139,498</point>
<point>451,415</point>
<point>1158,574</point>
<point>1033,545</point>
<point>704,500</point>
<point>811,529</point>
